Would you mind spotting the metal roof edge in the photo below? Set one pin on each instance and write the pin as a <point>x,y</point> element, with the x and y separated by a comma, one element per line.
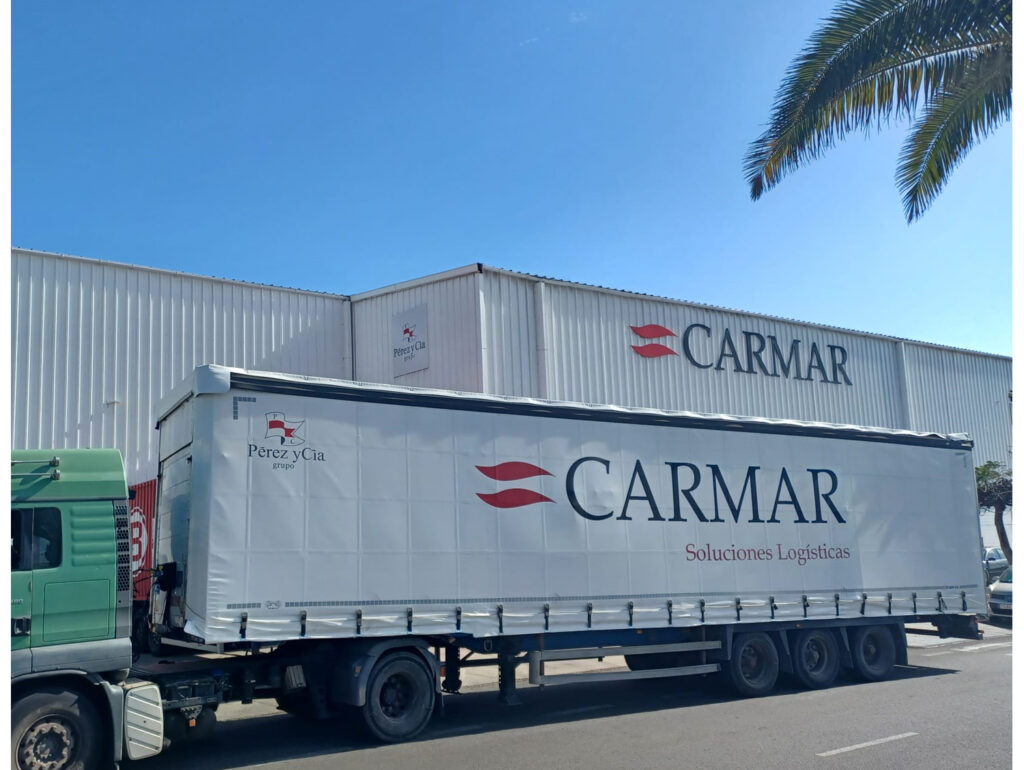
<point>177,273</point>
<point>748,313</point>
<point>458,272</point>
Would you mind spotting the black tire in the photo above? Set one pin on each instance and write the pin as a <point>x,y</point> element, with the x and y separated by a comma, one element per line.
<point>655,660</point>
<point>754,666</point>
<point>175,729</point>
<point>816,658</point>
<point>297,704</point>
<point>874,652</point>
<point>638,662</point>
<point>651,660</point>
<point>55,729</point>
<point>206,725</point>
<point>140,631</point>
<point>153,644</point>
<point>399,698</point>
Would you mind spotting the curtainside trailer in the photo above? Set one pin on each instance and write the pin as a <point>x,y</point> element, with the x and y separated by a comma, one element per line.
<point>362,543</point>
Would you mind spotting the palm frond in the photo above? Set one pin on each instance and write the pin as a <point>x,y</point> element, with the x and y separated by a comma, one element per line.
<point>953,124</point>
<point>873,60</point>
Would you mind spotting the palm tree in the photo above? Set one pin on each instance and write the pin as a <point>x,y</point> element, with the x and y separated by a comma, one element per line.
<point>875,61</point>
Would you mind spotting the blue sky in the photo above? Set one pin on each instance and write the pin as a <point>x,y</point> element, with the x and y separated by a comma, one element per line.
<point>344,146</point>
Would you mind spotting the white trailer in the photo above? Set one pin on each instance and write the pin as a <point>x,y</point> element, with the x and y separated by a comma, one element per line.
<point>372,526</point>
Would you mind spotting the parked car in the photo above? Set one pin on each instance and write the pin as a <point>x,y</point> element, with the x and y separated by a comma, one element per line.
<point>994,562</point>
<point>1000,603</point>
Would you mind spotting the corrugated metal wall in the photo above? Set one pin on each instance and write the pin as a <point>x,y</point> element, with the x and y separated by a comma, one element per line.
<point>963,392</point>
<point>511,355</point>
<point>96,345</point>
<point>592,358</point>
<point>453,336</point>
<point>581,342</point>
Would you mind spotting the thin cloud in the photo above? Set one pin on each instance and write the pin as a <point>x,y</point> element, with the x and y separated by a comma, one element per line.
<point>578,17</point>
<point>529,41</point>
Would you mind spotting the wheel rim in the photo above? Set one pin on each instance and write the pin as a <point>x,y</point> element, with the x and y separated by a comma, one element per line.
<point>752,662</point>
<point>871,649</point>
<point>815,656</point>
<point>48,745</point>
<point>396,696</point>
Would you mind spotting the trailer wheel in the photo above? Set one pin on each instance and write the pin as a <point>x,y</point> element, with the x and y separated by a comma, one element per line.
<point>754,666</point>
<point>54,729</point>
<point>655,660</point>
<point>399,698</point>
<point>297,704</point>
<point>816,657</point>
<point>874,652</point>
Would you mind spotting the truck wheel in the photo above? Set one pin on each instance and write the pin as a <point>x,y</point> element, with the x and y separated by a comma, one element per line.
<point>754,666</point>
<point>140,631</point>
<point>655,660</point>
<point>153,645</point>
<point>816,658</point>
<point>399,698</point>
<point>54,729</point>
<point>296,704</point>
<point>874,652</point>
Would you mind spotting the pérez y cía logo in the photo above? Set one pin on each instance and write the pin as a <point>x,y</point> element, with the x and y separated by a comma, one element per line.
<point>286,434</point>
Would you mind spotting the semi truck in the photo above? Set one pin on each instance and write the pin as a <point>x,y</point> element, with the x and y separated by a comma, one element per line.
<point>73,704</point>
<point>349,548</point>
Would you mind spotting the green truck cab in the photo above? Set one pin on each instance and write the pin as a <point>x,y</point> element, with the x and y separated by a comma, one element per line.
<point>73,705</point>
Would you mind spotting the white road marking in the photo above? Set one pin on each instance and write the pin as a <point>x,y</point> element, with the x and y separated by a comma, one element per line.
<point>866,745</point>
<point>971,648</point>
<point>987,646</point>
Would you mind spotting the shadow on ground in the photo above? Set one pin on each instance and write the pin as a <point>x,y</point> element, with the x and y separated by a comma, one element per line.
<point>282,738</point>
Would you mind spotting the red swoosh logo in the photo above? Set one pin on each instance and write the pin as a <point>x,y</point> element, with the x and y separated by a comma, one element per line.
<point>511,471</point>
<point>514,498</point>
<point>653,350</point>
<point>650,331</point>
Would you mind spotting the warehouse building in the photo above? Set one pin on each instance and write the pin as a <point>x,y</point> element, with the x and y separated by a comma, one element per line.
<point>96,345</point>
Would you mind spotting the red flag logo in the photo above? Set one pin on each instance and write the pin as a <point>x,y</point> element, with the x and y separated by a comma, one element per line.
<point>516,497</point>
<point>288,431</point>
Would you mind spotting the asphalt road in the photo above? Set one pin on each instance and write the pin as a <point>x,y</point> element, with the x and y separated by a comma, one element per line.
<point>949,709</point>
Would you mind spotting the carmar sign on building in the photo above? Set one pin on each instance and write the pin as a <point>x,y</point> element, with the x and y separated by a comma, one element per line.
<point>750,353</point>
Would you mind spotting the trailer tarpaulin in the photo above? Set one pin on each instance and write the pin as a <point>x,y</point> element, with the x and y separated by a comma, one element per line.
<point>328,508</point>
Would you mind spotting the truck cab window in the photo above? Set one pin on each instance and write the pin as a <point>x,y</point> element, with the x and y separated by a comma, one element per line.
<point>19,552</point>
<point>46,538</point>
<point>36,540</point>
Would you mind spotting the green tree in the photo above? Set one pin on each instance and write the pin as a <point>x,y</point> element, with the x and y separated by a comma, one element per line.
<point>945,64</point>
<point>995,491</point>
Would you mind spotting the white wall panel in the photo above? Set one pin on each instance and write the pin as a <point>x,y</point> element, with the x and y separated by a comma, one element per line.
<point>95,346</point>
<point>510,339</point>
<point>574,342</point>
<point>453,321</point>
<point>952,390</point>
<point>592,358</point>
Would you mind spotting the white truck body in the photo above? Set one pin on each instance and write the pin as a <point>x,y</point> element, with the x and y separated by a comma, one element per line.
<point>308,508</point>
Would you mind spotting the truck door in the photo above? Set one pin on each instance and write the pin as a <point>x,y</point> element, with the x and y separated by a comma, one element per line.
<point>21,583</point>
<point>73,570</point>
